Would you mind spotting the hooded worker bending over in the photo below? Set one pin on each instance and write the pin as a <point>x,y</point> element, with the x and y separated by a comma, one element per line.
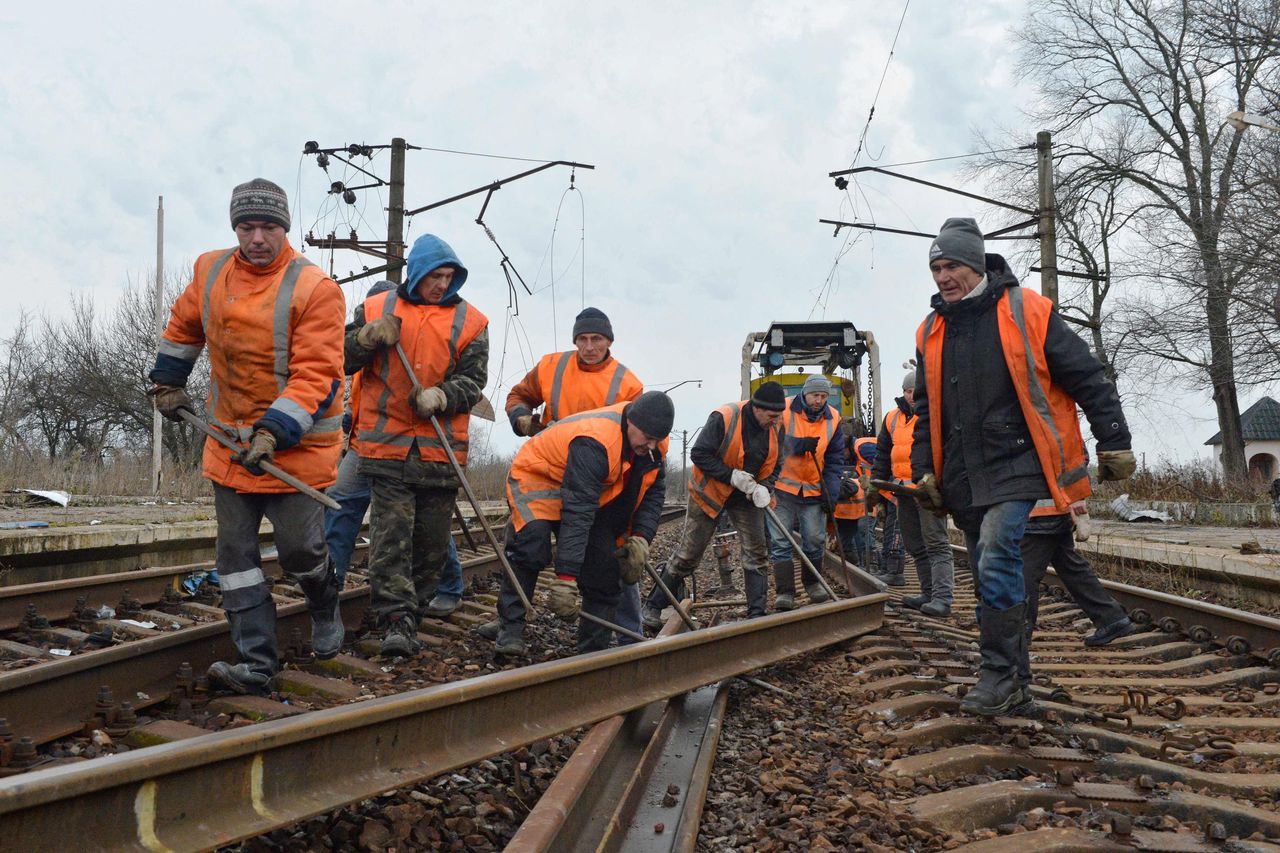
<point>273,324</point>
<point>596,481</point>
<point>735,464</point>
<point>413,486</point>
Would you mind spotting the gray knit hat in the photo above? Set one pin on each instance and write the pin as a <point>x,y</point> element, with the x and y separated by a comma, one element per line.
<point>592,321</point>
<point>652,413</point>
<point>817,382</point>
<point>909,381</point>
<point>259,200</point>
<point>960,239</point>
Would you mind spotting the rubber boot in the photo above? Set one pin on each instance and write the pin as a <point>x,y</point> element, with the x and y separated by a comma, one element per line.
<point>651,612</point>
<point>1002,641</point>
<point>784,581</point>
<point>925,574</point>
<point>817,595</point>
<point>757,593</point>
<point>327,631</point>
<point>1027,708</point>
<point>892,574</point>
<point>511,640</point>
<point>253,633</point>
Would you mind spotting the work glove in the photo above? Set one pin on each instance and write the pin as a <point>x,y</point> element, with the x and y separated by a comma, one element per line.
<point>382,332</point>
<point>848,489</point>
<point>262,448</point>
<point>632,556</point>
<point>529,425</point>
<point>761,497</point>
<point>1116,464</point>
<point>427,401</point>
<point>929,497</point>
<point>742,481</point>
<point>564,599</point>
<point>170,399</point>
<point>801,446</point>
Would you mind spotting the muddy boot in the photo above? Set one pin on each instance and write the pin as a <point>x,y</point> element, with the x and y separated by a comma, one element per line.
<point>1002,641</point>
<point>401,636</point>
<point>817,595</point>
<point>892,574</point>
<point>253,632</point>
<point>490,630</point>
<point>784,581</point>
<point>757,593</point>
<point>511,640</point>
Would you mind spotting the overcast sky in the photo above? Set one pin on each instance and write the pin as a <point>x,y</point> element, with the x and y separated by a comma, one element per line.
<point>712,127</point>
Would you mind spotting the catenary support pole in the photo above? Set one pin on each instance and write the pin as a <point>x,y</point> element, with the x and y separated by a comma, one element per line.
<point>395,209</point>
<point>1047,213</point>
<point>157,434</point>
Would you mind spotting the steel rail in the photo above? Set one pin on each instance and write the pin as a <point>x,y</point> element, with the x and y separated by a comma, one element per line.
<point>213,790</point>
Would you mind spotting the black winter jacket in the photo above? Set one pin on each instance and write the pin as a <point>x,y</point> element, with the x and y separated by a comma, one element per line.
<point>988,456</point>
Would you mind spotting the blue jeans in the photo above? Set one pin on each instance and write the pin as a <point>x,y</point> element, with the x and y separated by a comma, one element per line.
<point>995,554</point>
<point>805,518</point>
<point>342,526</point>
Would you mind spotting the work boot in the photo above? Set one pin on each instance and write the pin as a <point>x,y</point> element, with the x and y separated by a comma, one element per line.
<point>757,593</point>
<point>936,609</point>
<point>1122,627</point>
<point>253,633</point>
<point>401,637</point>
<point>892,574</point>
<point>816,593</point>
<point>490,630</point>
<point>327,630</point>
<point>239,678</point>
<point>784,601</point>
<point>915,602</point>
<point>784,581</point>
<point>510,641</point>
<point>1002,640</point>
<point>441,605</point>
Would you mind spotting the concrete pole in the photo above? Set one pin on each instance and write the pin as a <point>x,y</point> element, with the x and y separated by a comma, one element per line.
<point>395,209</point>
<point>1048,213</point>
<point>157,439</point>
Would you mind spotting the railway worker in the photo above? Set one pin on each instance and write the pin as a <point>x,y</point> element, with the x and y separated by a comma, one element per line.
<point>445,341</point>
<point>813,456</point>
<point>854,525</point>
<point>272,322</point>
<point>924,535</point>
<point>996,431</point>
<point>565,383</point>
<point>735,464</point>
<point>342,526</point>
<point>594,480</point>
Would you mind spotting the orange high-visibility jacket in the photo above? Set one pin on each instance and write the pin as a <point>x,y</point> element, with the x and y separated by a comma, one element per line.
<point>1023,320</point>
<point>432,337</point>
<point>275,354</point>
<point>537,472</point>
<point>902,432</point>
<point>567,386</point>
<point>710,494</point>
<point>800,475</point>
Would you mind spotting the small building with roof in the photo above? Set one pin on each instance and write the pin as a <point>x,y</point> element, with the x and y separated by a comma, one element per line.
<point>1260,424</point>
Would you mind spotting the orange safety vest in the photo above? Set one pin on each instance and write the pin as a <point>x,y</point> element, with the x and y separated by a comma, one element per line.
<point>274,338</point>
<point>855,507</point>
<point>1023,320</point>
<point>800,475</point>
<point>537,472</point>
<point>710,494</point>
<point>433,336</point>
<point>902,428</point>
<point>569,389</point>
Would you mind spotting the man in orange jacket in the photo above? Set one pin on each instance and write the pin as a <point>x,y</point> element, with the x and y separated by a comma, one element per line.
<point>272,322</point>
<point>413,486</point>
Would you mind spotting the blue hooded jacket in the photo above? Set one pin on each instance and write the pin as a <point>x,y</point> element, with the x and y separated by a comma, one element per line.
<point>429,252</point>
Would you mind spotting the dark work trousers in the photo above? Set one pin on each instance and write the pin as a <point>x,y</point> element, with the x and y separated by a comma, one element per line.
<point>1041,550</point>
<point>408,541</point>
<point>529,552</point>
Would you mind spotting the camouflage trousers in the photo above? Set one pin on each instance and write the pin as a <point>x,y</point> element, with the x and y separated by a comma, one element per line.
<point>409,537</point>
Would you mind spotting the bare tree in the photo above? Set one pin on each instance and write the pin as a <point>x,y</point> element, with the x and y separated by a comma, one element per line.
<point>1137,91</point>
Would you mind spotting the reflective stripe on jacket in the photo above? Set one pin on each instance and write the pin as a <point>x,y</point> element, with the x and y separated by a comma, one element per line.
<point>432,336</point>
<point>568,388</point>
<point>801,475</point>
<point>709,493</point>
<point>1050,413</point>
<point>537,472</point>
<point>274,335</point>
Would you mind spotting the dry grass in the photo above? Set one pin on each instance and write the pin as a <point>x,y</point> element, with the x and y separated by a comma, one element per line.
<point>1191,481</point>
<point>122,475</point>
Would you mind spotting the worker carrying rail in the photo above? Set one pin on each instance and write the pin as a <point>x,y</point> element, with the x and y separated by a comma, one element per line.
<point>596,481</point>
<point>997,433</point>
<point>735,464</point>
<point>272,322</point>
<point>924,535</point>
<point>566,383</point>
<point>423,354</point>
<point>813,458</point>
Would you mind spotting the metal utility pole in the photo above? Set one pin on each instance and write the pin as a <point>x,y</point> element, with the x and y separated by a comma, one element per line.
<point>1047,213</point>
<point>395,210</point>
<point>157,439</point>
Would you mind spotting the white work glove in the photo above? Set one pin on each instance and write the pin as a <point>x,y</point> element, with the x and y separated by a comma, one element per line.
<point>427,401</point>
<point>760,496</point>
<point>742,481</point>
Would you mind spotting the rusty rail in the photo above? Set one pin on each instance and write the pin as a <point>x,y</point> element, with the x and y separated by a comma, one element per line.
<point>213,790</point>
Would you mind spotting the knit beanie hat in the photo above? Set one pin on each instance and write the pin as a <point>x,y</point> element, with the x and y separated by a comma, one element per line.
<point>381,287</point>
<point>960,239</point>
<point>652,413</point>
<point>770,396</point>
<point>259,200</point>
<point>909,381</point>
<point>817,382</point>
<point>592,321</point>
